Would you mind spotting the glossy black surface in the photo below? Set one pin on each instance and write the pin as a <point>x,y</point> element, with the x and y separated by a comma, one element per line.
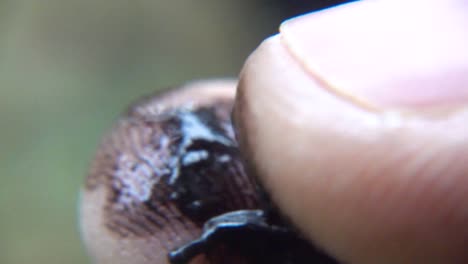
<point>251,234</point>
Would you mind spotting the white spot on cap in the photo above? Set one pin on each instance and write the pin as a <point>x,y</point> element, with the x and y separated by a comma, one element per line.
<point>192,128</point>
<point>224,158</point>
<point>194,157</point>
<point>134,180</point>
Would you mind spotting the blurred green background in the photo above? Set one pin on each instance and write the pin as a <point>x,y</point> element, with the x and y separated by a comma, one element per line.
<point>68,68</point>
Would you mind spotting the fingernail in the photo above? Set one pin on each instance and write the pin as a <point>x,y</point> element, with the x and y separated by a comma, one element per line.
<point>385,54</point>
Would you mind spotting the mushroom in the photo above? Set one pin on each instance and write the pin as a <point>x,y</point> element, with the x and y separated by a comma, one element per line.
<point>168,185</point>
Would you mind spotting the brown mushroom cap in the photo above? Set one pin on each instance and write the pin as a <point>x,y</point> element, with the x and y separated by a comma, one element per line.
<point>127,212</point>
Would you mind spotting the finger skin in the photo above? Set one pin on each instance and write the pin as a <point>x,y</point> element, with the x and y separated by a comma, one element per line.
<point>368,185</point>
<point>386,53</point>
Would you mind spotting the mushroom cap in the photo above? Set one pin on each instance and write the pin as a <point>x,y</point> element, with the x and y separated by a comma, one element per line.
<point>136,204</point>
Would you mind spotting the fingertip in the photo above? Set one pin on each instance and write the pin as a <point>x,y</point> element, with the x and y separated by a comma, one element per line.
<point>385,54</point>
<point>369,185</point>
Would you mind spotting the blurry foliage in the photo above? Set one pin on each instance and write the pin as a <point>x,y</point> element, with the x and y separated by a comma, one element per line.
<point>67,68</point>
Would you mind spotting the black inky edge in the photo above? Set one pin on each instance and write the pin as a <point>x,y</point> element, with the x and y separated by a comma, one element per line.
<point>251,234</point>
